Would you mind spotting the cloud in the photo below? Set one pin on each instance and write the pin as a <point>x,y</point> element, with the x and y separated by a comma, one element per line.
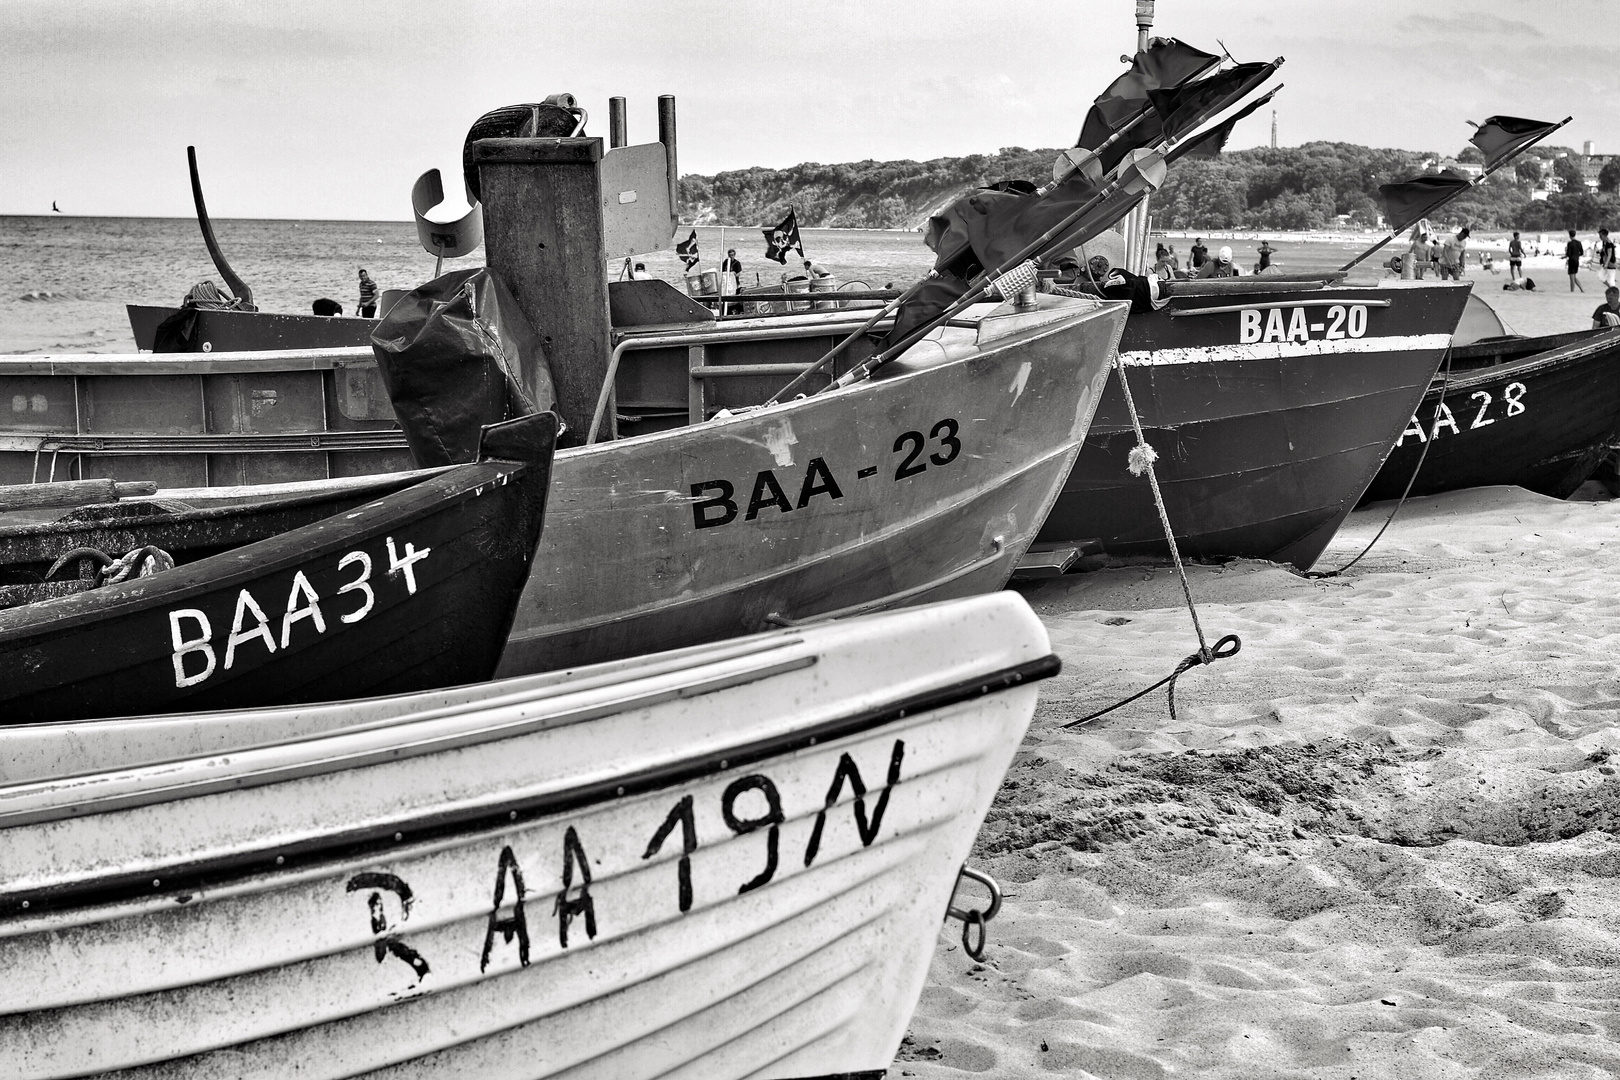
<point>1449,26</point>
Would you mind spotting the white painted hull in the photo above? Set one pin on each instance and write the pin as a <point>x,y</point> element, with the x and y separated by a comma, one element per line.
<point>162,934</point>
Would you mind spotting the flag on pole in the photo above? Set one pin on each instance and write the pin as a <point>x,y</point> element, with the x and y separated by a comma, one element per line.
<point>781,237</point>
<point>688,251</point>
<point>1210,143</point>
<point>1182,108</point>
<point>1500,137</point>
<point>1416,198</point>
<point>1166,62</point>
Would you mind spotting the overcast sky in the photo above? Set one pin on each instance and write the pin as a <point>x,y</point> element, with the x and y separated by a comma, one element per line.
<point>330,109</point>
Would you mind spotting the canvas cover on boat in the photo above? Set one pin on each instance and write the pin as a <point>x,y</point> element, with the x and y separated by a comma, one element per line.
<point>456,354</point>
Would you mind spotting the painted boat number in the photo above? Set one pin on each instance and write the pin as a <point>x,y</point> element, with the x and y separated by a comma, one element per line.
<point>509,920</point>
<point>191,632</point>
<point>1341,321</point>
<point>721,506</point>
<point>1512,398</point>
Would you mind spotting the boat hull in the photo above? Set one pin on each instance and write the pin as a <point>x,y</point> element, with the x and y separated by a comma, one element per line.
<point>224,330</point>
<point>411,591</point>
<point>1264,446</point>
<point>926,484</point>
<point>1540,418</point>
<point>623,874</point>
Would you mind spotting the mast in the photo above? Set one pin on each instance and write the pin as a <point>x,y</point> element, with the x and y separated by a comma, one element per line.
<point>1136,227</point>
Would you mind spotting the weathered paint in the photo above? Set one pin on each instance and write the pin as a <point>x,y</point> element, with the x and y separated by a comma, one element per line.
<point>1542,417</point>
<point>1265,446</point>
<point>925,483</point>
<point>409,591</point>
<point>666,862</point>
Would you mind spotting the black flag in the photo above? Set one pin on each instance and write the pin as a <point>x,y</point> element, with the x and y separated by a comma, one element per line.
<point>782,237</point>
<point>687,250</point>
<point>1501,137</point>
<point>1415,199</point>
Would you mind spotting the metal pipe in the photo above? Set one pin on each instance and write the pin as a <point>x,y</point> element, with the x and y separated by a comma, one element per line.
<point>618,127</point>
<point>666,135</point>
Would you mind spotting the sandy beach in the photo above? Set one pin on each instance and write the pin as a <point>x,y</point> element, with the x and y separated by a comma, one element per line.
<point>1378,842</point>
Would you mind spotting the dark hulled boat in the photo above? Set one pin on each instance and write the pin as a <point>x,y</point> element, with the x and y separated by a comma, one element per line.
<point>411,591</point>
<point>1271,404</point>
<point>229,330</point>
<point>1537,412</point>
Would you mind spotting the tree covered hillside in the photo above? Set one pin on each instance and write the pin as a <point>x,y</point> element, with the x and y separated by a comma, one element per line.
<point>1296,187</point>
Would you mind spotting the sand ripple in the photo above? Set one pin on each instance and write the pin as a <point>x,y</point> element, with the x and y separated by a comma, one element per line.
<point>1380,841</point>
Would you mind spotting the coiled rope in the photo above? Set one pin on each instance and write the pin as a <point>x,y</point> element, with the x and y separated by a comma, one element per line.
<point>1141,461</point>
<point>1434,429</point>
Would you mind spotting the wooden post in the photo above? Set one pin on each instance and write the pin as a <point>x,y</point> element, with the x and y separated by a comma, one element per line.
<point>543,235</point>
<point>618,124</point>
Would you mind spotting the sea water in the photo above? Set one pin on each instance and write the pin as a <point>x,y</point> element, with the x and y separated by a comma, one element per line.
<point>64,281</point>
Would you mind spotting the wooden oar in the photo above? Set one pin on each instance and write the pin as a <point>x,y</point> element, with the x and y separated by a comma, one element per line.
<point>68,493</point>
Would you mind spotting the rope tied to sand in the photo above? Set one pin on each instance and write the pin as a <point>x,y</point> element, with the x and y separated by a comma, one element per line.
<point>1140,461</point>
<point>1229,645</point>
<point>1434,430</point>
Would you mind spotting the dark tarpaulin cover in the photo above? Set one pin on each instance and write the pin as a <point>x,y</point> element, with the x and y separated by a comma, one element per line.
<point>178,332</point>
<point>1500,136</point>
<point>1414,199</point>
<point>456,354</point>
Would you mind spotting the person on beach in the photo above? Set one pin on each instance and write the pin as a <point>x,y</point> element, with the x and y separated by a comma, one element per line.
<point>1453,255</point>
<point>1607,315</point>
<point>1572,260</point>
<point>1162,266</point>
<point>367,307</point>
<point>1606,259</point>
<point>1419,256</point>
<point>1200,254</point>
<point>1515,259</point>
<point>1220,265</point>
<point>1264,265</point>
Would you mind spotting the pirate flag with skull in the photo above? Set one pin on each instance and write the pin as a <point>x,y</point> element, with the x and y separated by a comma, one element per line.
<point>782,237</point>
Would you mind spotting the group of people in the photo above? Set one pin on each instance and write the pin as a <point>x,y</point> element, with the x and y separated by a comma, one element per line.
<point>1167,264</point>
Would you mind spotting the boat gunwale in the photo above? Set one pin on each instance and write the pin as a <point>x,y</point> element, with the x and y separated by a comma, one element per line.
<point>274,554</point>
<point>362,844</point>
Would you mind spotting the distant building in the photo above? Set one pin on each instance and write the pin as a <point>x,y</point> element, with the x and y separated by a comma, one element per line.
<point>1460,168</point>
<point>1592,164</point>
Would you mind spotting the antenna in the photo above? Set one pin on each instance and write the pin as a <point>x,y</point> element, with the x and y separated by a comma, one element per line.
<point>1274,129</point>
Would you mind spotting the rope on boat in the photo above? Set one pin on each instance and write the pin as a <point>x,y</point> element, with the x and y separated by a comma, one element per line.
<point>1434,429</point>
<point>1141,461</point>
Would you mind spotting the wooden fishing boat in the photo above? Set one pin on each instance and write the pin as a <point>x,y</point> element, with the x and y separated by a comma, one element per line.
<point>706,518</point>
<point>410,591</point>
<point>1271,405</point>
<point>1537,412</point>
<point>187,524</point>
<point>195,420</point>
<point>230,330</point>
<point>729,861</point>
<point>925,484</point>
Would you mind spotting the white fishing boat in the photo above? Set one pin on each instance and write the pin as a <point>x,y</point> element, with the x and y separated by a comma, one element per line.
<point>730,860</point>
